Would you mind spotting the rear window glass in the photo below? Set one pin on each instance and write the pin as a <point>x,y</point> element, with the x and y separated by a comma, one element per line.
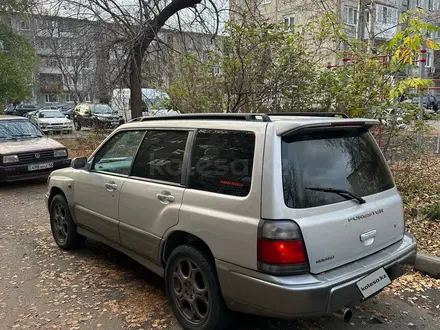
<point>346,159</point>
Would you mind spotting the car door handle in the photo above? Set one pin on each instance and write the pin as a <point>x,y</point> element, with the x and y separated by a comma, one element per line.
<point>165,197</point>
<point>111,186</point>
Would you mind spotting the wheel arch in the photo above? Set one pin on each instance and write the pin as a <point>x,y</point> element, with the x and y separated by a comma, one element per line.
<point>180,237</point>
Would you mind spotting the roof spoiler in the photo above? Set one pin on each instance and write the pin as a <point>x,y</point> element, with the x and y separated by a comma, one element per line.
<point>286,129</point>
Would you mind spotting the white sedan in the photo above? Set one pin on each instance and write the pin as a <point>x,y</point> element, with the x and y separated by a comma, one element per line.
<point>52,121</point>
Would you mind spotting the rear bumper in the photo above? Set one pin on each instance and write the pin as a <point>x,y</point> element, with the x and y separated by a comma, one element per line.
<point>20,172</point>
<point>309,295</point>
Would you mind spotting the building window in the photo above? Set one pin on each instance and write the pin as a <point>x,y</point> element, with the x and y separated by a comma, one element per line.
<point>70,98</point>
<point>419,3</point>
<point>387,15</point>
<point>41,44</point>
<point>431,4</point>
<point>86,64</point>
<point>25,25</point>
<point>51,62</point>
<point>216,69</point>
<point>428,57</point>
<point>289,22</point>
<point>265,2</point>
<point>350,15</point>
<point>51,98</point>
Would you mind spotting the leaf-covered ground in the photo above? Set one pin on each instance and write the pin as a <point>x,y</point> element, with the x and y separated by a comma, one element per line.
<point>418,181</point>
<point>44,287</point>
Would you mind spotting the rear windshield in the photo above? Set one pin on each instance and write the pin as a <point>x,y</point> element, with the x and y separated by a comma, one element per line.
<point>346,159</point>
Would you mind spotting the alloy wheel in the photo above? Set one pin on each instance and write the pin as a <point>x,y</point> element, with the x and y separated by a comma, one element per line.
<point>59,220</point>
<point>190,291</point>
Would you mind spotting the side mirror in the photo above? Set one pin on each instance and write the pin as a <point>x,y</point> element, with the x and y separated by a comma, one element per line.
<point>67,116</point>
<point>79,163</point>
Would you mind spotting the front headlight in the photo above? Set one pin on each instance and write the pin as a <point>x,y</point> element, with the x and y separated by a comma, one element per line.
<point>60,153</point>
<point>10,159</point>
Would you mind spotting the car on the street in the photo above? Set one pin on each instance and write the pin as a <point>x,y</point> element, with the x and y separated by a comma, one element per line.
<point>429,103</point>
<point>52,121</point>
<point>9,110</point>
<point>285,215</point>
<point>25,152</point>
<point>24,109</point>
<point>67,109</point>
<point>95,115</point>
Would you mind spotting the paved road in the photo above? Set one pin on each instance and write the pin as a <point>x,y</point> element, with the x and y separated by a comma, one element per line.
<point>42,287</point>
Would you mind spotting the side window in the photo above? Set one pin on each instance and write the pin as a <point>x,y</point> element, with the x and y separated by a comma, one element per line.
<point>117,155</point>
<point>160,156</point>
<point>222,162</point>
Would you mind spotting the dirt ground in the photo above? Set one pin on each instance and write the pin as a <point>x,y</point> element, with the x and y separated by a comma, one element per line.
<point>43,287</point>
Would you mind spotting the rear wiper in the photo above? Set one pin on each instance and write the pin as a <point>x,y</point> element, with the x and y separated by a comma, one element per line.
<point>341,192</point>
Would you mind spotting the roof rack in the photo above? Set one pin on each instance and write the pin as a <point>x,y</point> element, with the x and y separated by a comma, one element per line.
<point>214,116</point>
<point>310,114</point>
<point>263,117</point>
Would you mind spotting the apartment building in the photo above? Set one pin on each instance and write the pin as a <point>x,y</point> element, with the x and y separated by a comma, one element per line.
<point>79,60</point>
<point>376,20</point>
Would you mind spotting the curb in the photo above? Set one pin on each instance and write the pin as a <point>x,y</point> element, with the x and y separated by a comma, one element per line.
<point>428,264</point>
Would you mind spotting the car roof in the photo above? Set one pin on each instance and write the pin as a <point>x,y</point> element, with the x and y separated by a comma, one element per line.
<point>8,117</point>
<point>283,123</point>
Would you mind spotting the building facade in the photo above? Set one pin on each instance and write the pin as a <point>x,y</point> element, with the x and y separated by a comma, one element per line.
<point>374,20</point>
<point>81,62</point>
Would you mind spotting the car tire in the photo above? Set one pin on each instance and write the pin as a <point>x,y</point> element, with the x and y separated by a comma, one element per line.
<point>77,125</point>
<point>95,125</point>
<point>190,277</point>
<point>64,230</point>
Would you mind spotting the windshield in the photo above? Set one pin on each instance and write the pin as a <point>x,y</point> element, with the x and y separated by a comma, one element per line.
<point>326,159</point>
<point>10,129</point>
<point>102,109</point>
<point>51,114</point>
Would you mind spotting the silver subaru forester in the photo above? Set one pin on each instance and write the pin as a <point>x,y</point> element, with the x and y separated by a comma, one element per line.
<point>285,215</point>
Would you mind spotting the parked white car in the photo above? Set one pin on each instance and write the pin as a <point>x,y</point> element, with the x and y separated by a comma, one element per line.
<point>52,121</point>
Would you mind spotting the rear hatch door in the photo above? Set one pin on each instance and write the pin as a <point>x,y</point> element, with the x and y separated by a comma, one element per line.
<point>337,227</point>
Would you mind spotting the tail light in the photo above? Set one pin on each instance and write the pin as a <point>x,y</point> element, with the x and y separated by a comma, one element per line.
<point>281,249</point>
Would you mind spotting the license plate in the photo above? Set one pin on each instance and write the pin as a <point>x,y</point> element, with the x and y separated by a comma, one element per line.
<point>374,282</point>
<point>115,122</point>
<point>36,167</point>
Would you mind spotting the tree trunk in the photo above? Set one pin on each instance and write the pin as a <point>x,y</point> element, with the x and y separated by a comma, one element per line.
<point>148,34</point>
<point>136,82</point>
<point>360,27</point>
<point>372,24</point>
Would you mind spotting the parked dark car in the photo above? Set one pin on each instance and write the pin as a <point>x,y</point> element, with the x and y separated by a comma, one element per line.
<point>95,116</point>
<point>23,109</point>
<point>9,110</point>
<point>25,152</point>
